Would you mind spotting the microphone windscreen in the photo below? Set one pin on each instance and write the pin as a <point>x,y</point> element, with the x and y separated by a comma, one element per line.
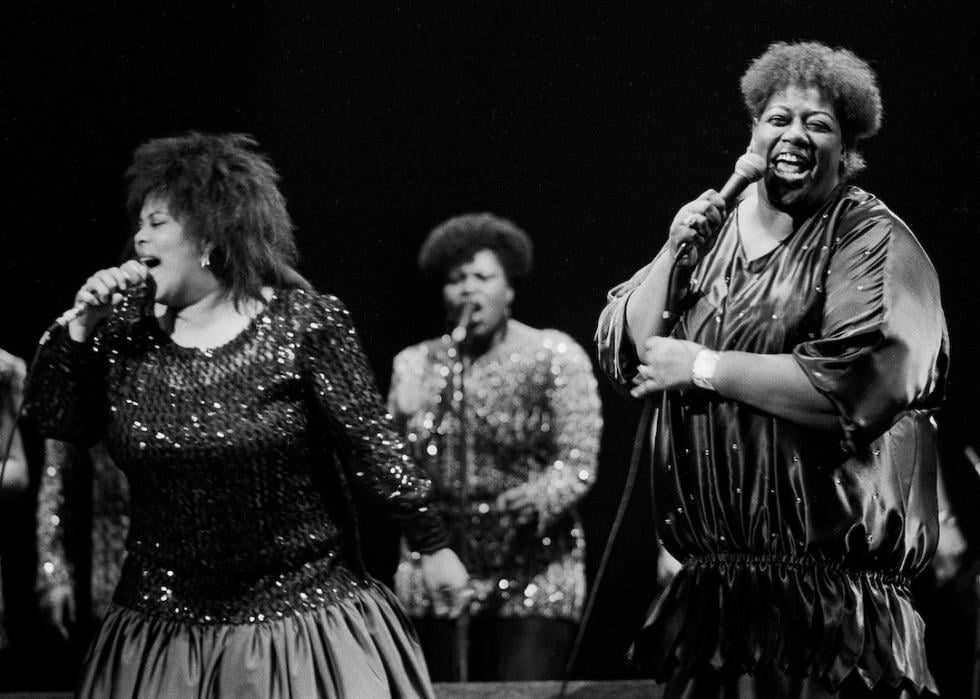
<point>751,166</point>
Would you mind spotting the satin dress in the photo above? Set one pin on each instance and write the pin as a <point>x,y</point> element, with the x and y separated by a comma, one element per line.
<point>798,545</point>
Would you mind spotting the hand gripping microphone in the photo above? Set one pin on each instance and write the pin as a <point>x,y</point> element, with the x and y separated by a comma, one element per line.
<point>748,169</point>
<point>79,308</point>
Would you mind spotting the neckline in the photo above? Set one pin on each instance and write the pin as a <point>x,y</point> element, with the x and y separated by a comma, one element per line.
<point>232,344</point>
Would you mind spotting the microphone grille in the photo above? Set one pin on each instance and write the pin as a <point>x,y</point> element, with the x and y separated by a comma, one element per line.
<point>750,166</point>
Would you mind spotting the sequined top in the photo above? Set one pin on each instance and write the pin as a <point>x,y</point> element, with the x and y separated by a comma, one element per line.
<point>798,545</point>
<point>81,491</point>
<point>532,421</point>
<point>238,457</point>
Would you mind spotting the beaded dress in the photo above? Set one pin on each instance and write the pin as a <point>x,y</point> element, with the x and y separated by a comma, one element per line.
<point>243,576</point>
<point>532,420</point>
<point>797,546</point>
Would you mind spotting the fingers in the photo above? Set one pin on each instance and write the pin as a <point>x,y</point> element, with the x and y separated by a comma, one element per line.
<point>135,271</point>
<point>646,383</point>
<point>103,289</point>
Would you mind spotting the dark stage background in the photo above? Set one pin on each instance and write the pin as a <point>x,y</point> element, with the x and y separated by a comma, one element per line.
<point>589,124</point>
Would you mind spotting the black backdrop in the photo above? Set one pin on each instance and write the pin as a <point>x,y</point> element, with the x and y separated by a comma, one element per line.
<point>586,123</point>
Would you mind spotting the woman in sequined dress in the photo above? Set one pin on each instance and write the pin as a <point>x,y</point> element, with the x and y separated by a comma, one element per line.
<point>506,421</point>
<point>794,452</point>
<point>240,406</point>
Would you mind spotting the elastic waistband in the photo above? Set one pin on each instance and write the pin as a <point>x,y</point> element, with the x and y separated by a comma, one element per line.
<point>721,560</point>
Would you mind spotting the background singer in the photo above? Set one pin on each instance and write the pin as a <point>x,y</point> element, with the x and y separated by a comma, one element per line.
<point>505,418</point>
<point>794,451</point>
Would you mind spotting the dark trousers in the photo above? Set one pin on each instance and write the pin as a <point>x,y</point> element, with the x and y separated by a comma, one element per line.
<point>500,650</point>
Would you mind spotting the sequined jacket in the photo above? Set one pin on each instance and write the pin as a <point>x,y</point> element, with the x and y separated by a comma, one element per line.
<point>532,421</point>
<point>240,458</point>
<point>798,545</point>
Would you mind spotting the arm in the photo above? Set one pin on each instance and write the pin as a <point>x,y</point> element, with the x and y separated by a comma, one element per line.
<point>373,454</point>
<point>881,350</point>
<point>12,373</point>
<point>576,426</point>
<point>443,574</point>
<point>370,449</point>
<point>772,383</point>
<point>634,309</point>
<point>55,584</point>
<point>66,399</point>
<point>692,226</point>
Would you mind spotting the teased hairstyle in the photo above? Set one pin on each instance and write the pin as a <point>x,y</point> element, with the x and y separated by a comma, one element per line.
<point>843,78</point>
<point>226,195</point>
<point>457,239</point>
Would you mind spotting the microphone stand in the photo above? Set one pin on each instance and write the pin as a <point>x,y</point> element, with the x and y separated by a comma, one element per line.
<point>461,627</point>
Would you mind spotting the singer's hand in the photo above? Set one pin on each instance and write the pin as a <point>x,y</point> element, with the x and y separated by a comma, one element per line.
<point>695,226</point>
<point>447,582</point>
<point>667,364</point>
<point>101,292</point>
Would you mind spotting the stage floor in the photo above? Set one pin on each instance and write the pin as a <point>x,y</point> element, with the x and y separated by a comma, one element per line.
<point>621,689</point>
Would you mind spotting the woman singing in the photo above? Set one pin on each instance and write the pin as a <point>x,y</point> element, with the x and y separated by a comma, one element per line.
<point>240,405</point>
<point>794,451</point>
<point>505,419</point>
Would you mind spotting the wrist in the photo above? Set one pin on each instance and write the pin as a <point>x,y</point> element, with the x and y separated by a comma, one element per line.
<point>704,368</point>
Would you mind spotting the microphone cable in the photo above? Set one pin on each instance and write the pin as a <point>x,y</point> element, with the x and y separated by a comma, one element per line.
<point>670,313</point>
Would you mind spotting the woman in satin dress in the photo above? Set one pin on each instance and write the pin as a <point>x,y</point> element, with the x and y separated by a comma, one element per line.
<point>793,446</point>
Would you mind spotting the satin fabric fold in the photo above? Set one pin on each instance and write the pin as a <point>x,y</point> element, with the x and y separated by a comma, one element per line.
<point>361,646</point>
<point>798,544</point>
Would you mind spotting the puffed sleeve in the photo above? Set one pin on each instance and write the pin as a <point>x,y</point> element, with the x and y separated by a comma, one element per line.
<point>66,397</point>
<point>618,358</point>
<point>372,453</point>
<point>882,347</point>
<point>576,424</point>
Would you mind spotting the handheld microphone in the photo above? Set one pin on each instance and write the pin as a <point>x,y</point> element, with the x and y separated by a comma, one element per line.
<point>749,168</point>
<point>462,324</point>
<point>80,308</point>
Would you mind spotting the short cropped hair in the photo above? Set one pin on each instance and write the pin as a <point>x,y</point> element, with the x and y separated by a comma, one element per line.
<point>226,195</point>
<point>456,240</point>
<point>846,80</point>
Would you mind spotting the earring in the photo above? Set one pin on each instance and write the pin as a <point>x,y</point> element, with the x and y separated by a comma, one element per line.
<point>206,259</point>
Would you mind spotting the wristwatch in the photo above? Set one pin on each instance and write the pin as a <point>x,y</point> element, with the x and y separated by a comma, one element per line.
<point>703,371</point>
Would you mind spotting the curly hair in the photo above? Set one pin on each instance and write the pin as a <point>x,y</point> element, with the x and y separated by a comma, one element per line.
<point>846,80</point>
<point>225,193</point>
<point>456,240</point>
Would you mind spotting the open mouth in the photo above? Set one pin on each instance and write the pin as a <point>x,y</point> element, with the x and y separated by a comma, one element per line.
<point>791,166</point>
<point>150,261</point>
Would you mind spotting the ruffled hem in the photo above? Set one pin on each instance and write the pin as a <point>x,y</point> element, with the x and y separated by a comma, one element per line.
<point>809,618</point>
<point>361,646</point>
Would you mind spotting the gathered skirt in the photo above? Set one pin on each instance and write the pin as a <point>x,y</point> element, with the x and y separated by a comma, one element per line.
<point>359,646</point>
